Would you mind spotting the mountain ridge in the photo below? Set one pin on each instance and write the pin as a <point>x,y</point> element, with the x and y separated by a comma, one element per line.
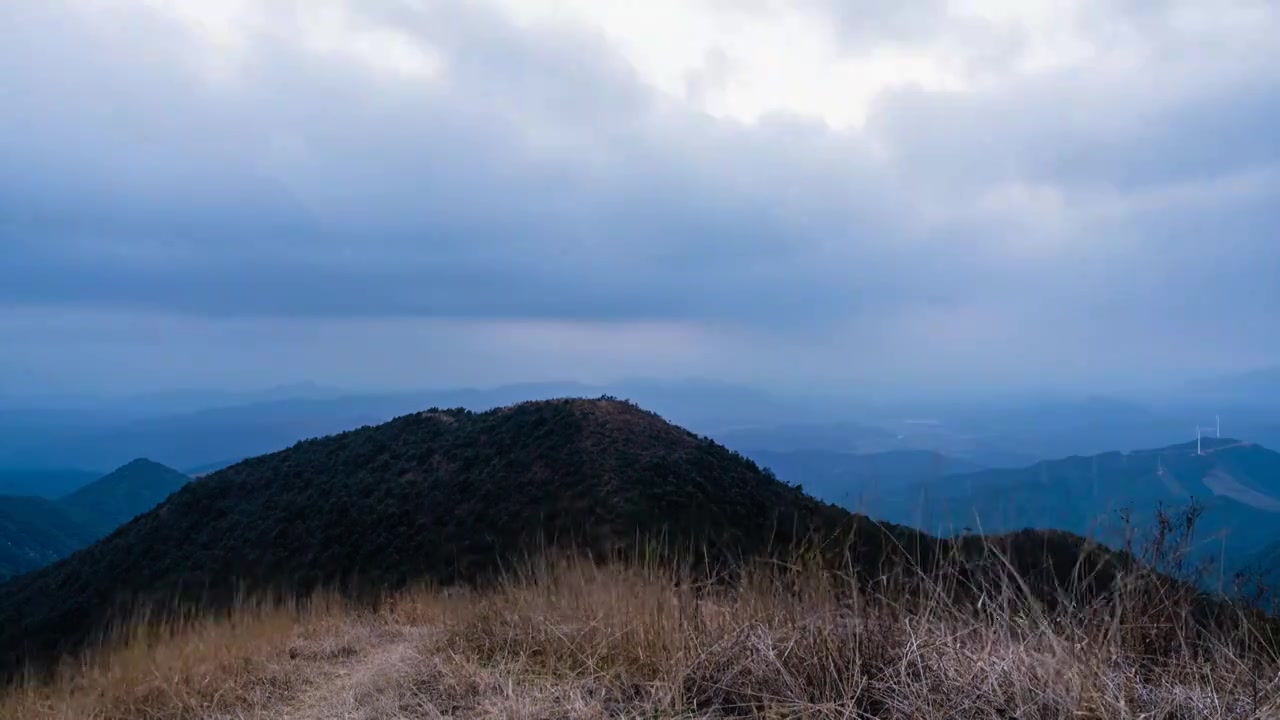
<point>1236,483</point>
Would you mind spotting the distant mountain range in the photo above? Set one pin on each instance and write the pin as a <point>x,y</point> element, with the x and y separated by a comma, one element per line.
<point>201,430</point>
<point>1237,483</point>
<point>174,429</point>
<point>44,482</point>
<point>846,478</point>
<point>36,531</point>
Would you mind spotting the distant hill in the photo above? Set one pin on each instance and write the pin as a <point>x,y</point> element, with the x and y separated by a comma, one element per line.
<point>865,439</point>
<point>194,430</point>
<point>1237,483</point>
<point>35,532</point>
<point>109,502</point>
<point>847,478</point>
<point>44,482</point>
<point>454,496</point>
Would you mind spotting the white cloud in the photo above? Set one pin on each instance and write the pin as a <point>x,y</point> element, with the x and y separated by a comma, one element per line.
<point>765,58</point>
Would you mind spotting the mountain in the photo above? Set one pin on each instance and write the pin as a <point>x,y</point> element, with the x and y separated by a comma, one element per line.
<point>35,532</point>
<point>453,495</point>
<point>44,482</point>
<point>1237,483</point>
<point>846,478</point>
<point>109,502</point>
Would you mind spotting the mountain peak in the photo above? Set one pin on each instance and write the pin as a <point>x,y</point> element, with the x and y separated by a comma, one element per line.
<point>139,464</point>
<point>123,494</point>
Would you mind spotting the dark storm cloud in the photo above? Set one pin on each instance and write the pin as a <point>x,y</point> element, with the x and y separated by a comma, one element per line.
<point>538,182</point>
<point>539,177</point>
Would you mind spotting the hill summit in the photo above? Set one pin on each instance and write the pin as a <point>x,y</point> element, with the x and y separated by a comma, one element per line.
<point>113,500</point>
<point>36,531</point>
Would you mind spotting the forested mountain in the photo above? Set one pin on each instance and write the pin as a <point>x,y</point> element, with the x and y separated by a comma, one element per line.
<point>452,495</point>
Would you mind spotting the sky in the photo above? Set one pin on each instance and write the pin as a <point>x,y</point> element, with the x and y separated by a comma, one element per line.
<point>804,194</point>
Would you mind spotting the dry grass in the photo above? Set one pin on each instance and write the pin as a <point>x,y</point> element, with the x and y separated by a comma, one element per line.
<point>568,639</point>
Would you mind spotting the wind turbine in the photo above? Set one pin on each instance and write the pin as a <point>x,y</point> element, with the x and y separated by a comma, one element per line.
<point>1217,422</point>
<point>1198,440</point>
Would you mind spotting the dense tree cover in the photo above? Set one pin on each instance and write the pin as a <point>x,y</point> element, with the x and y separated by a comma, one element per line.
<point>452,495</point>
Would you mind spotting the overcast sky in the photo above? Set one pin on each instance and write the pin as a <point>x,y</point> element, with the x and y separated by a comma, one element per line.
<point>221,193</point>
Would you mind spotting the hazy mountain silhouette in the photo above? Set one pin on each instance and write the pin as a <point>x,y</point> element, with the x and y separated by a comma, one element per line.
<point>36,531</point>
<point>109,502</point>
<point>846,478</point>
<point>1237,483</point>
<point>44,482</point>
<point>108,435</point>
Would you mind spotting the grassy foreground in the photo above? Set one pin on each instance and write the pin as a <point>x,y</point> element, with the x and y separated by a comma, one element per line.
<point>571,639</point>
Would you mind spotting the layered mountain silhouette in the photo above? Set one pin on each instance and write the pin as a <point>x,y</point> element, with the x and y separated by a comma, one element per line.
<point>1236,483</point>
<point>35,531</point>
<point>454,495</point>
<point>844,478</point>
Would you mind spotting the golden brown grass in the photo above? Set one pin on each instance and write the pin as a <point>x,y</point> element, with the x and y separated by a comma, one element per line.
<point>570,639</point>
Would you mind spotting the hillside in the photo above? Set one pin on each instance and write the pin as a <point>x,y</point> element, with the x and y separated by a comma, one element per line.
<point>1238,485</point>
<point>454,496</point>
<point>846,478</point>
<point>35,532</point>
<point>111,501</point>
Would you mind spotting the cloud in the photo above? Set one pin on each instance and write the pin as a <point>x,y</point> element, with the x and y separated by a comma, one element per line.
<point>784,171</point>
